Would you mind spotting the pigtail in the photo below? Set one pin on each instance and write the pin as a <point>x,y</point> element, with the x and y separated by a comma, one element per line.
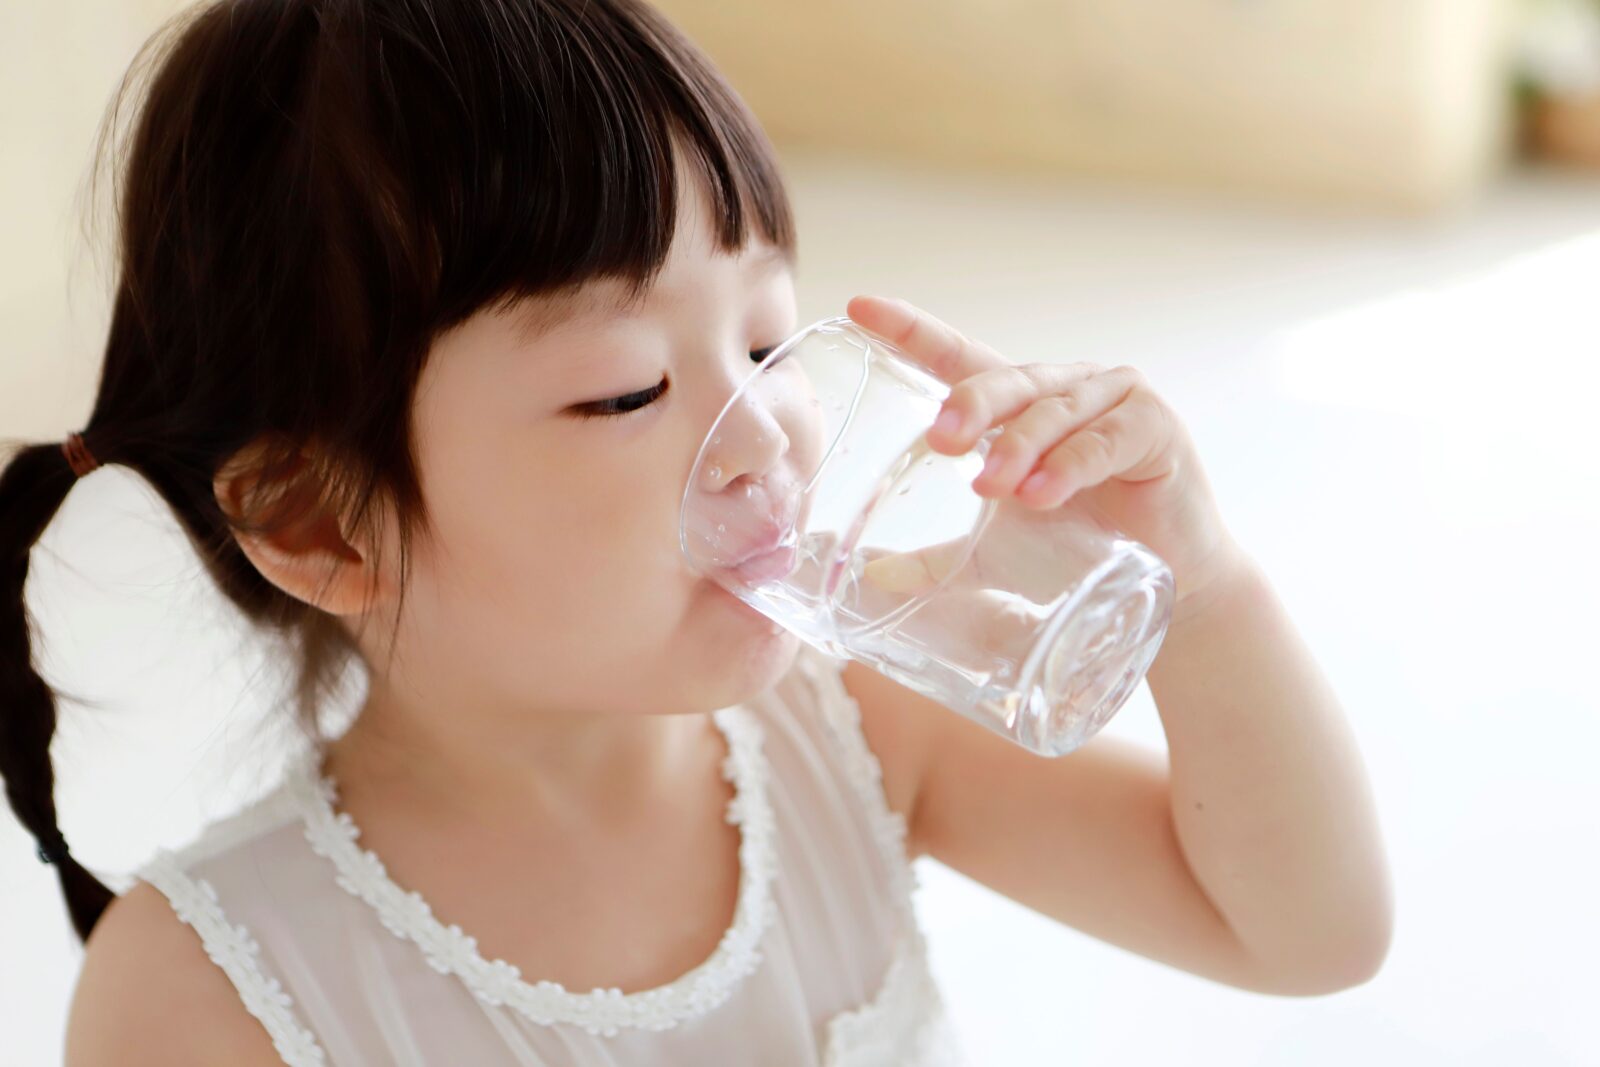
<point>32,488</point>
<point>307,195</point>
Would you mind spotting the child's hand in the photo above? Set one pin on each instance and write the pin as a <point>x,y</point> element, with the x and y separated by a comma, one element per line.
<point>1102,438</point>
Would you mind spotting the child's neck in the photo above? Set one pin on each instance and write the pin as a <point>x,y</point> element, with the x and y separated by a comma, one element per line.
<point>562,768</point>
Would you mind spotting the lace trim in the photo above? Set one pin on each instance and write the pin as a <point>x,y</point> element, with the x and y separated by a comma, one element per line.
<point>865,773</point>
<point>231,947</point>
<point>901,1024</point>
<point>905,1021</point>
<point>332,834</point>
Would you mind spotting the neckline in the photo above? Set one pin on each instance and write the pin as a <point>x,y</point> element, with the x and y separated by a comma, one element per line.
<point>332,834</point>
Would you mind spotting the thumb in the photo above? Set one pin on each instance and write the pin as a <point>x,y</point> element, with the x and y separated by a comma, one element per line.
<point>918,571</point>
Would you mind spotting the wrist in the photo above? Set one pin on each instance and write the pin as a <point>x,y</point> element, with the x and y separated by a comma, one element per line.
<point>1230,572</point>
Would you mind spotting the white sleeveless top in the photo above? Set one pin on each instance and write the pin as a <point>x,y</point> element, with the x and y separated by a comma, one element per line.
<point>824,964</point>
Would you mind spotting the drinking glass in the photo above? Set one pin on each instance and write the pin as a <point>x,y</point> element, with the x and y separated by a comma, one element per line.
<point>816,481</point>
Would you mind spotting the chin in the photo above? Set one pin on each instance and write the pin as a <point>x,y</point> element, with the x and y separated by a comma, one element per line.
<point>745,651</point>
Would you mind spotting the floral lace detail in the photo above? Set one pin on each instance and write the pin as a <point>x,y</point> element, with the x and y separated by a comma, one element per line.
<point>906,1020</point>
<point>332,834</point>
<point>904,1023</point>
<point>865,772</point>
<point>231,947</point>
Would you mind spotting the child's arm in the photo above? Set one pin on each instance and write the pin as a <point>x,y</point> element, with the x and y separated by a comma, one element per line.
<point>1248,853</point>
<point>1269,796</point>
<point>1256,859</point>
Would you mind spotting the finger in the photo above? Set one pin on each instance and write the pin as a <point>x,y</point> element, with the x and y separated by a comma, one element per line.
<point>985,386</point>
<point>1116,442</point>
<point>1011,554</point>
<point>992,623</point>
<point>918,571</point>
<point>1044,422</point>
<point>992,396</point>
<point>936,346</point>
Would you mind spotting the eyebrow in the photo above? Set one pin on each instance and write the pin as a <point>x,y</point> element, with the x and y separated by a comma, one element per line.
<point>538,316</point>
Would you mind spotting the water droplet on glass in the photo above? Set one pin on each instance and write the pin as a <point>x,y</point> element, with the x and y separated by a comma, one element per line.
<point>717,440</point>
<point>928,462</point>
<point>902,491</point>
<point>715,472</point>
<point>722,528</point>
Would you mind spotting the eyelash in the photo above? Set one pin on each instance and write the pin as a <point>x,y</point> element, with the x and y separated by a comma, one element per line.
<point>626,405</point>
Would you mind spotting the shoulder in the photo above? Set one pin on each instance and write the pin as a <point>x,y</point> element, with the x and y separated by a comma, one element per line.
<point>120,1017</point>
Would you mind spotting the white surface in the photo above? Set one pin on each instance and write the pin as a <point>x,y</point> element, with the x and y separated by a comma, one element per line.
<point>1395,416</point>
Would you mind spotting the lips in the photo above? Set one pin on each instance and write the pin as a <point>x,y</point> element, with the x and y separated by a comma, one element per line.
<point>765,566</point>
<point>766,538</point>
<point>762,530</point>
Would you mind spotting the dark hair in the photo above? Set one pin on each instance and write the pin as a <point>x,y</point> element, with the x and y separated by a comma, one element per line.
<point>312,191</point>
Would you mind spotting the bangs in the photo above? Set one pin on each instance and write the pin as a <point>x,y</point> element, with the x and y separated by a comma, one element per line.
<point>525,147</point>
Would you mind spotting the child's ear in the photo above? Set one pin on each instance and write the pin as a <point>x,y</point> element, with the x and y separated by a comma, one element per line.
<point>288,531</point>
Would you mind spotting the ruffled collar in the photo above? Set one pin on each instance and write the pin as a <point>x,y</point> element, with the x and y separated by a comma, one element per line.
<point>332,834</point>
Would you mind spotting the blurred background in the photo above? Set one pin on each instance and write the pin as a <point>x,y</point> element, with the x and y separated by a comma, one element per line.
<point>1354,243</point>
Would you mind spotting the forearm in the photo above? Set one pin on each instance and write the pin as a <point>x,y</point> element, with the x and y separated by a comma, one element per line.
<point>1270,798</point>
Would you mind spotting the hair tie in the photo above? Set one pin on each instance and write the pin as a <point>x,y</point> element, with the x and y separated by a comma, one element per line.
<point>78,455</point>
<point>53,849</point>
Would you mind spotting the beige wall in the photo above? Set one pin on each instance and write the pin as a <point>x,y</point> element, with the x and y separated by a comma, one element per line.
<point>59,63</point>
<point>1378,102</point>
<point>1386,101</point>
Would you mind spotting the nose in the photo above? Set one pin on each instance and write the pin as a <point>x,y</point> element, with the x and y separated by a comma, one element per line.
<point>745,444</point>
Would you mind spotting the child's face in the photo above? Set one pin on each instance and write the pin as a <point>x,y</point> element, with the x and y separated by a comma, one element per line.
<point>552,574</point>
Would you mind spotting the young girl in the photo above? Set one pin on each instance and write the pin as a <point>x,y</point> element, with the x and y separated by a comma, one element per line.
<point>423,311</point>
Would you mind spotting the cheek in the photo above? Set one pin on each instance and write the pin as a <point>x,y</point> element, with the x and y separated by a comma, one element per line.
<point>556,581</point>
<point>799,412</point>
<point>590,541</point>
<point>552,526</point>
<point>807,438</point>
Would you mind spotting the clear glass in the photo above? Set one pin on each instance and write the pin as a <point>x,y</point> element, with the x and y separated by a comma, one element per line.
<point>816,478</point>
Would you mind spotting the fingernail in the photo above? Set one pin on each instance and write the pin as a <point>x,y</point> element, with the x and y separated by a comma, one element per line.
<point>1033,482</point>
<point>949,421</point>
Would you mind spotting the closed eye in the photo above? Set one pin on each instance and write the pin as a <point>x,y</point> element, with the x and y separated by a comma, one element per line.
<point>620,405</point>
<point>631,402</point>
